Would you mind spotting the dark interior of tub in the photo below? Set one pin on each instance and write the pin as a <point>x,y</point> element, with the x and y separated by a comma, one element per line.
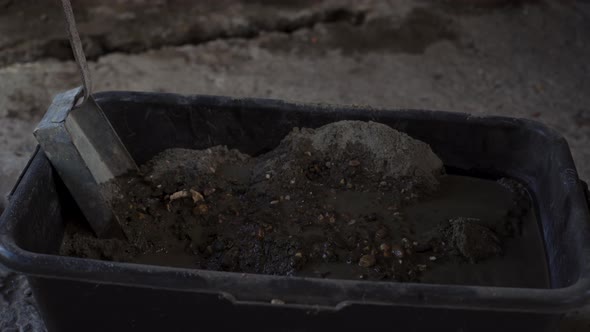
<point>480,147</point>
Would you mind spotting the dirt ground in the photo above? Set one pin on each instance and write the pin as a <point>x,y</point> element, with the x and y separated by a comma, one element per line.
<point>296,210</point>
<point>517,59</point>
<point>349,200</point>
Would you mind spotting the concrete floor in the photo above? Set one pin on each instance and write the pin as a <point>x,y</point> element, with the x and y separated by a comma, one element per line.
<point>522,60</point>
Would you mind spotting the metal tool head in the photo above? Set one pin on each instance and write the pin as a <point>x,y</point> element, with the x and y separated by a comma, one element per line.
<point>81,144</point>
<point>85,150</point>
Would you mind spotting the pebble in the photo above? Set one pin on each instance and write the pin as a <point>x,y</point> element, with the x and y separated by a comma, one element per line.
<point>201,209</point>
<point>209,191</point>
<point>274,202</point>
<point>367,261</point>
<point>354,163</point>
<point>432,258</point>
<point>381,233</point>
<point>197,197</point>
<point>287,198</point>
<point>179,194</point>
<point>267,176</point>
<point>277,301</point>
<point>397,251</point>
<point>405,243</point>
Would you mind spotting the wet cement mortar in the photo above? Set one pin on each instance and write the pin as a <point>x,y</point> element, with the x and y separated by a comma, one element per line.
<point>299,210</point>
<point>524,60</point>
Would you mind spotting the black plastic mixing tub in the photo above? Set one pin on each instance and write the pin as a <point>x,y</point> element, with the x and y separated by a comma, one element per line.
<point>76,294</point>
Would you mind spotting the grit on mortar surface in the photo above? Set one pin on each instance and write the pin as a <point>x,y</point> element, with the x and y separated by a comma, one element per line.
<point>527,60</point>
